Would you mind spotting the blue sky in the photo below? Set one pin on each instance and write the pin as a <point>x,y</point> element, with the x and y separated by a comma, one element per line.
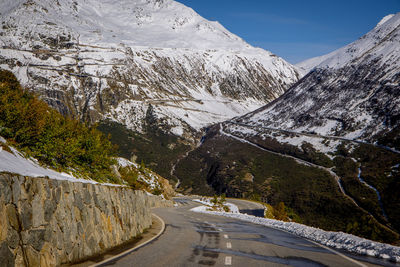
<point>296,29</point>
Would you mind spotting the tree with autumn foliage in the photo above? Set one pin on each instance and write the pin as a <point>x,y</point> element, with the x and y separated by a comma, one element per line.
<point>41,132</point>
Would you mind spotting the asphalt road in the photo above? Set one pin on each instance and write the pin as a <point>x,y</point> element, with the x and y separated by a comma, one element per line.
<point>195,239</point>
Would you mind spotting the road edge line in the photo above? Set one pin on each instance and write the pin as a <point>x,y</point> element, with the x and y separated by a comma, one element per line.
<point>304,238</point>
<point>136,247</point>
<point>338,253</point>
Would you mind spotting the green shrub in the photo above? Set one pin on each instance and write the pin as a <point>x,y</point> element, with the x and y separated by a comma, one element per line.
<point>269,211</point>
<point>222,199</point>
<point>279,212</point>
<point>153,146</point>
<point>41,132</point>
<point>130,175</point>
<point>157,191</point>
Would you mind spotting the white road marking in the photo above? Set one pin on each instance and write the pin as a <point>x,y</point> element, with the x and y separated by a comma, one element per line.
<point>228,260</point>
<point>228,245</point>
<point>226,236</point>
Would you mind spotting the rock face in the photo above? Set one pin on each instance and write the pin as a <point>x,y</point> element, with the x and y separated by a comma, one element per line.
<point>46,222</point>
<point>126,59</point>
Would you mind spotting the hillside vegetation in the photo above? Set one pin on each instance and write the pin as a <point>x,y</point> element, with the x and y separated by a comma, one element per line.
<point>311,193</point>
<point>66,144</point>
<point>62,143</point>
<point>154,147</point>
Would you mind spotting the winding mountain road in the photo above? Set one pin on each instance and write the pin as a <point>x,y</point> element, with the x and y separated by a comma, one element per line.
<point>196,239</point>
<point>315,135</point>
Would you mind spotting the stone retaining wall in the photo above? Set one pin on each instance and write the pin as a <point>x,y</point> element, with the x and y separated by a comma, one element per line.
<point>46,222</point>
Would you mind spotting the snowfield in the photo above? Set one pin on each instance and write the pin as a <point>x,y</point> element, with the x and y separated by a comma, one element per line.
<point>337,240</point>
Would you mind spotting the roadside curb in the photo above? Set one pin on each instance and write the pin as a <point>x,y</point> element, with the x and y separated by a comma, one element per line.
<point>134,248</point>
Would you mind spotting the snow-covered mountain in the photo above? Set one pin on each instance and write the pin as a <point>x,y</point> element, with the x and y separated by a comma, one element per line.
<point>114,59</point>
<point>373,43</point>
<point>353,93</point>
<point>308,147</point>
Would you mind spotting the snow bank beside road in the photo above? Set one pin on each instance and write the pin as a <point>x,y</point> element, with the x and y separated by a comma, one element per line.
<point>207,205</point>
<point>336,240</point>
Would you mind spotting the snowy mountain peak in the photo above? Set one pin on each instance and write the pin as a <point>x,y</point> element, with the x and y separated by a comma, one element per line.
<point>149,23</point>
<point>113,59</point>
<point>382,41</point>
<point>352,92</point>
<point>384,19</point>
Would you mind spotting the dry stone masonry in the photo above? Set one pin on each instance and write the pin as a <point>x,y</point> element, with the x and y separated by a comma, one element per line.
<point>46,222</point>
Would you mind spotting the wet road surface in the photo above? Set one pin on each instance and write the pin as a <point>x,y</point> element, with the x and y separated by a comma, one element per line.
<point>195,239</point>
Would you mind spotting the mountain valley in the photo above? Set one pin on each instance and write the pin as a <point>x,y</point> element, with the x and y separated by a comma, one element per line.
<point>184,97</point>
<point>331,138</point>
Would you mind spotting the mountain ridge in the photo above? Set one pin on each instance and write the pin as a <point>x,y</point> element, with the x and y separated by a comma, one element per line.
<point>329,145</point>
<point>352,94</point>
<point>349,53</point>
<point>110,60</point>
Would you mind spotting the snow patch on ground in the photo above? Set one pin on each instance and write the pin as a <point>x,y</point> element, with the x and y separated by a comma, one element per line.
<point>15,162</point>
<point>122,162</point>
<point>207,206</point>
<point>320,144</point>
<point>337,240</point>
<point>150,178</point>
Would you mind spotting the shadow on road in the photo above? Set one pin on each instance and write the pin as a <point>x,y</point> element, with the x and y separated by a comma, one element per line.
<point>254,212</point>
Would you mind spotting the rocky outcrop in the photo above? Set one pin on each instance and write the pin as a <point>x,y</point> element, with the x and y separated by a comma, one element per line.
<point>45,222</point>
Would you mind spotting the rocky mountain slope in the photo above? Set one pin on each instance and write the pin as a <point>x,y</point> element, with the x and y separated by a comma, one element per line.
<point>123,59</point>
<point>351,52</point>
<point>352,92</point>
<point>327,148</point>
